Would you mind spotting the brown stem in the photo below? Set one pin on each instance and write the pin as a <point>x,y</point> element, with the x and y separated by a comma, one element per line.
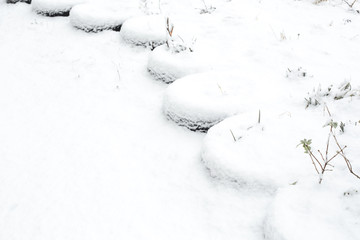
<point>322,157</point>
<point>335,156</point>
<point>327,145</point>
<point>328,110</point>
<point>316,160</point>
<point>312,160</point>
<point>350,5</point>
<point>347,161</point>
<point>349,165</point>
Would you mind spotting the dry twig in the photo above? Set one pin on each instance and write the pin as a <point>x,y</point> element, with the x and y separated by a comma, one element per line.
<point>322,167</point>
<point>350,4</point>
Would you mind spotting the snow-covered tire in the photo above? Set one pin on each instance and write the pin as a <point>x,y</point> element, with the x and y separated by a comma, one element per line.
<point>167,66</point>
<point>258,156</point>
<point>95,17</point>
<point>199,101</point>
<point>314,212</point>
<point>147,31</point>
<point>54,8</point>
<point>15,1</point>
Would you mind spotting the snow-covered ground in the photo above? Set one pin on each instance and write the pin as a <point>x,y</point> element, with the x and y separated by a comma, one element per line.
<point>86,151</point>
<point>94,17</point>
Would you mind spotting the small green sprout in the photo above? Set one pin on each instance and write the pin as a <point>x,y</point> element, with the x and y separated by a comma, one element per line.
<point>306,145</point>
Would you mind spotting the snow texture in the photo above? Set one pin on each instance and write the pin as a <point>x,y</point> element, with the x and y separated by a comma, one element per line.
<point>313,211</point>
<point>95,17</point>
<point>199,101</point>
<point>241,150</point>
<point>86,152</point>
<point>54,8</point>
<point>148,31</point>
<point>167,66</point>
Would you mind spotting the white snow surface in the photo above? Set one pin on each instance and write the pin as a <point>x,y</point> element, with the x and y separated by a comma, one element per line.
<point>149,30</point>
<point>54,7</point>
<point>101,16</point>
<point>260,156</point>
<point>167,66</point>
<point>86,152</point>
<point>204,99</point>
<point>308,211</point>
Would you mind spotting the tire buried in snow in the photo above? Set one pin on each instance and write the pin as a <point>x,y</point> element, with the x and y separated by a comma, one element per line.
<point>261,156</point>
<point>53,8</point>
<point>147,31</point>
<point>95,17</point>
<point>16,1</point>
<point>167,66</point>
<point>199,101</point>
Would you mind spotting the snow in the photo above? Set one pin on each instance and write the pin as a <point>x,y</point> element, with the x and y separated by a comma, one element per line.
<point>94,17</point>
<point>308,211</point>
<point>87,153</point>
<point>199,101</point>
<point>148,31</point>
<point>242,150</point>
<point>167,66</point>
<point>54,7</point>
<point>81,155</point>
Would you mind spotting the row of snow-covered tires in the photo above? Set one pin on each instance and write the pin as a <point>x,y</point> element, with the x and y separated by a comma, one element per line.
<point>239,146</point>
<point>207,101</point>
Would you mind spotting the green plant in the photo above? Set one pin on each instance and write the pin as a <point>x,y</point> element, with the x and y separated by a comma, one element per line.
<point>207,8</point>
<point>318,96</point>
<point>323,165</point>
<point>296,73</point>
<point>342,127</point>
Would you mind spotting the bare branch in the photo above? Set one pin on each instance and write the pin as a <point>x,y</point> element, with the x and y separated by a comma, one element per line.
<point>327,145</point>
<point>349,165</point>
<point>313,162</point>
<point>350,4</point>
<point>313,156</point>
<point>326,107</point>
<point>334,156</point>
<point>326,161</point>
<point>322,156</point>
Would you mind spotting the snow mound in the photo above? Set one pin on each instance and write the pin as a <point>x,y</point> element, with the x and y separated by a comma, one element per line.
<point>258,156</point>
<point>167,66</point>
<point>314,212</point>
<point>95,17</point>
<point>54,8</point>
<point>148,31</point>
<point>199,101</point>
